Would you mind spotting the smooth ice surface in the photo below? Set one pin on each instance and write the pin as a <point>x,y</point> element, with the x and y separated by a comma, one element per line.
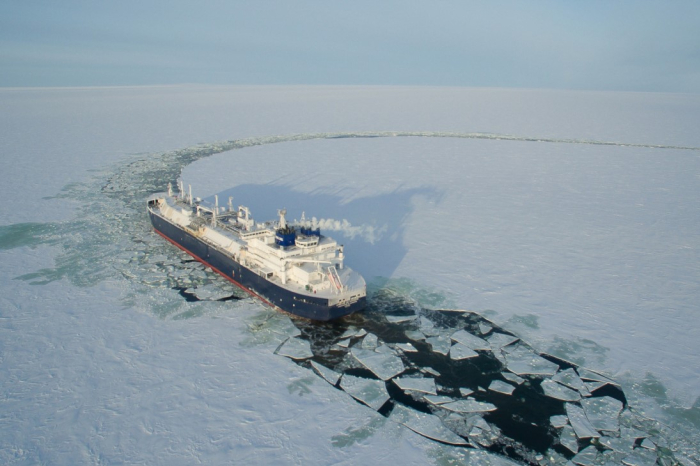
<point>384,365</point>
<point>369,391</point>
<point>424,424</point>
<point>440,344</point>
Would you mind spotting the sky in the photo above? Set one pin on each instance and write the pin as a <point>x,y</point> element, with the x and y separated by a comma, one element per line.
<point>622,45</point>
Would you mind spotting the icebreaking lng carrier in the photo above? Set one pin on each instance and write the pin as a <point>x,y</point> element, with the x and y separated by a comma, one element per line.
<point>289,266</point>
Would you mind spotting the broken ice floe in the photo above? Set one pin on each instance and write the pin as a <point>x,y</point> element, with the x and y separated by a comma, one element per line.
<point>434,392</point>
<point>428,425</point>
<point>370,341</point>
<point>569,378</point>
<point>470,341</point>
<point>603,413</point>
<point>440,344</point>
<point>399,319</point>
<point>580,422</point>
<point>586,457</point>
<point>468,405</point>
<point>568,439</point>
<point>328,375</point>
<point>170,270</point>
<point>499,386</point>
<point>384,365</point>
<point>522,361</point>
<point>371,392</point>
<point>459,352</point>
<point>295,348</point>
<point>559,392</point>
<point>558,421</point>
<point>416,384</point>
<point>405,347</point>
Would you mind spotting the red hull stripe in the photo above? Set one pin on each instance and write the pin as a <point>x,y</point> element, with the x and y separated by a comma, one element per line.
<point>217,270</point>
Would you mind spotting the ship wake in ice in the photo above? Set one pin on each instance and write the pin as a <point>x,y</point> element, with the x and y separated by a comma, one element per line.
<point>452,376</point>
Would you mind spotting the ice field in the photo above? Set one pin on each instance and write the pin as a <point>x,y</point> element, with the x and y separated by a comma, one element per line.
<point>567,223</point>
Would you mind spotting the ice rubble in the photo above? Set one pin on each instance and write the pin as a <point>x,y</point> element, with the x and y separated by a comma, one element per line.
<point>452,413</point>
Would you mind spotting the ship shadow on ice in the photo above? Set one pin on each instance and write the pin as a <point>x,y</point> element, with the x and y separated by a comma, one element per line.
<point>457,378</point>
<point>370,228</point>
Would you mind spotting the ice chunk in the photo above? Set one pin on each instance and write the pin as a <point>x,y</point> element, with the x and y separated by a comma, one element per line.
<point>500,386</point>
<point>648,444</point>
<point>353,332</point>
<point>415,335</point>
<point>586,457</point>
<point>640,457</point>
<point>460,351</point>
<point>580,423</point>
<point>593,386</point>
<point>465,391</point>
<point>370,341</point>
<point>484,328</point>
<point>429,370</point>
<point>592,376</point>
<point>470,341</point>
<point>406,347</point>
<point>440,344</point>
<point>512,378</point>
<point>568,439</point>
<point>416,384</point>
<point>428,327</point>
<point>570,378</point>
<point>438,399</point>
<point>295,348</point>
<point>209,292</point>
<point>384,365</point>
<point>368,391</point>
<point>468,405</point>
<point>400,319</point>
<point>427,425</point>
<point>344,343</point>
<point>603,413</point>
<point>329,375</point>
<point>559,421</point>
<point>522,361</point>
<point>499,340</point>
<point>559,392</point>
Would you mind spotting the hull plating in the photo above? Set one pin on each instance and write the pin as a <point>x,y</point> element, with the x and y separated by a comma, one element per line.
<point>301,305</point>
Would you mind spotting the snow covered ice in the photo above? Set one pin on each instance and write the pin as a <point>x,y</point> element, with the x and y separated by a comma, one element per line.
<point>587,251</point>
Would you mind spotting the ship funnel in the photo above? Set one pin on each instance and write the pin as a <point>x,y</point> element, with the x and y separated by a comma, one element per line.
<point>283,221</point>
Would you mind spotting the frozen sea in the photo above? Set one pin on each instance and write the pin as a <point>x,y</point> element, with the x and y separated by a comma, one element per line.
<point>571,219</point>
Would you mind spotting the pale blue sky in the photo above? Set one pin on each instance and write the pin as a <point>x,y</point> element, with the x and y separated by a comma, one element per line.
<point>626,45</point>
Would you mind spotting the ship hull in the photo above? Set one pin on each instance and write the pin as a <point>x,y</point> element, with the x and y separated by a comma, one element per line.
<point>309,307</point>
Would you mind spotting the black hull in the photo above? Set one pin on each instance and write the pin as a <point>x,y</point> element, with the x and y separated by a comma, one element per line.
<point>309,307</point>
